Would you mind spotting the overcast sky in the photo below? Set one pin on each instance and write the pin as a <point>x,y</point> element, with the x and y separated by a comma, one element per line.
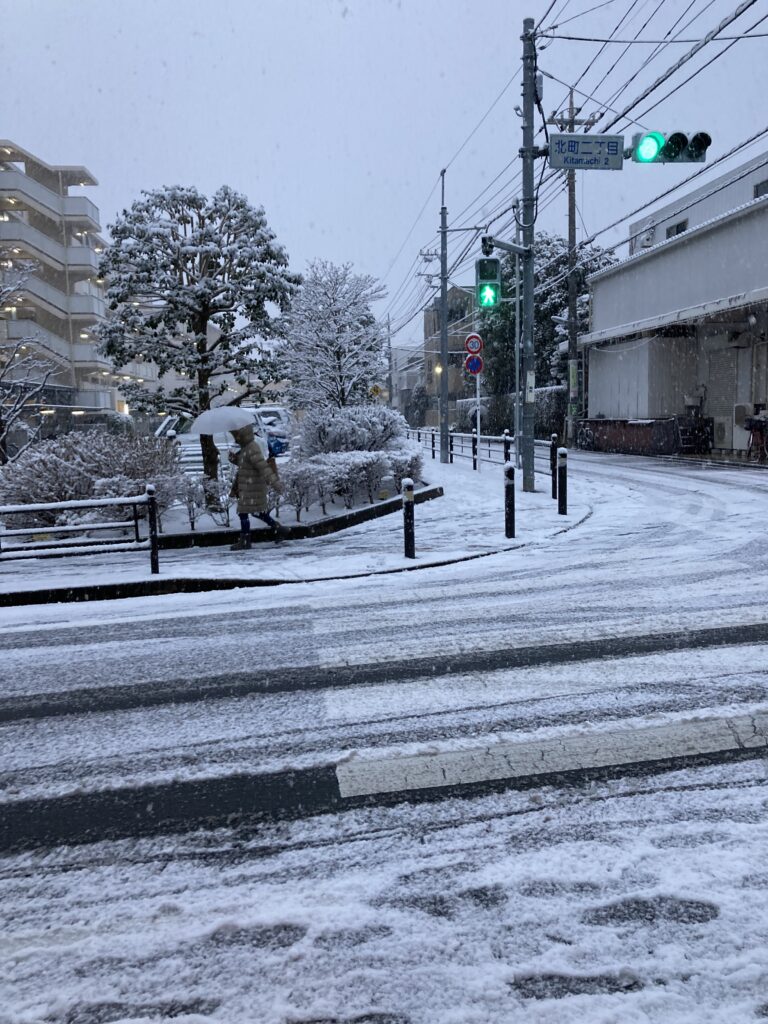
<point>337,115</point>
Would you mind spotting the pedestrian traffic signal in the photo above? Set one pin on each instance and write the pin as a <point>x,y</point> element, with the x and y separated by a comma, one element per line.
<point>670,147</point>
<point>488,283</point>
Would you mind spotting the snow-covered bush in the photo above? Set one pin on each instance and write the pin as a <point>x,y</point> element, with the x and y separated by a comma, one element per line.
<point>299,485</point>
<point>90,464</point>
<point>371,469</point>
<point>407,461</point>
<point>367,428</point>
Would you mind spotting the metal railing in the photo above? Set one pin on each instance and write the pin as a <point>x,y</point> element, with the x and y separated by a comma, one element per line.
<point>497,449</point>
<point>45,547</point>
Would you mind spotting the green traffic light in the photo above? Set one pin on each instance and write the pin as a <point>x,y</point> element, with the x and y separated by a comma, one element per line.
<point>649,147</point>
<point>489,295</point>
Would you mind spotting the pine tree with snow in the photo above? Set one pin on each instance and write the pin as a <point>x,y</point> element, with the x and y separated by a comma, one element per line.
<point>335,351</point>
<point>195,285</point>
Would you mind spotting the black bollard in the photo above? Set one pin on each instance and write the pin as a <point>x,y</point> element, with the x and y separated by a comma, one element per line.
<point>507,444</point>
<point>474,449</point>
<point>450,449</point>
<point>433,444</point>
<point>509,499</point>
<point>562,481</point>
<point>553,463</point>
<point>154,562</point>
<point>408,521</point>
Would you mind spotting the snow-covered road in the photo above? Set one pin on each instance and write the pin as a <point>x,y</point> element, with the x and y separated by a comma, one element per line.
<point>645,896</point>
<point>641,901</point>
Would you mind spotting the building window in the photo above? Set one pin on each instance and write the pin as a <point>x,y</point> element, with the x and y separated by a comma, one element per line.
<point>761,189</point>
<point>677,229</point>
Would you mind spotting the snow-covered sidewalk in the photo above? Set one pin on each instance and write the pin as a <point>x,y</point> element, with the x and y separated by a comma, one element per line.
<point>468,521</point>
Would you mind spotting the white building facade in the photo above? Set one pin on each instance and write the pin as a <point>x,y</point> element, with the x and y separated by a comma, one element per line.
<point>56,306</point>
<point>680,326</point>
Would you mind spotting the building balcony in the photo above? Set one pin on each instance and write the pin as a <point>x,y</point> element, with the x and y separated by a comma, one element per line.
<point>34,243</point>
<point>38,337</point>
<point>56,302</point>
<point>16,187</point>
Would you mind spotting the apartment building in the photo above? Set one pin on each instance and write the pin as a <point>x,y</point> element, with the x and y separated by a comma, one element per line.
<point>54,309</point>
<point>461,311</point>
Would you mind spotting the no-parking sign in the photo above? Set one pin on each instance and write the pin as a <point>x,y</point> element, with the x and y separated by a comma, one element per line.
<point>473,364</point>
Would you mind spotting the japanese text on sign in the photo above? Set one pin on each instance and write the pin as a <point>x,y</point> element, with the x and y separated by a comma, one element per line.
<point>586,152</point>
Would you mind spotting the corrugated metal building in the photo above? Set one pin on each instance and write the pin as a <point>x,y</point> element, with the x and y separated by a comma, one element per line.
<point>682,322</point>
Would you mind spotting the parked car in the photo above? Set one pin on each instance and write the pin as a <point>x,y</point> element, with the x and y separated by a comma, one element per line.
<point>275,423</point>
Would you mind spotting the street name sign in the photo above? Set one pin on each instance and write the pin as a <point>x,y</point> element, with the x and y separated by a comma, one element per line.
<point>473,344</point>
<point>574,152</point>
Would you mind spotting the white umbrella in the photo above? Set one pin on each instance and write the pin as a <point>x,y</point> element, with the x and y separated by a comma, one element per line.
<point>224,417</point>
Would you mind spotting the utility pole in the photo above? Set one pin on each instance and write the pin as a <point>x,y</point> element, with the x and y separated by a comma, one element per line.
<point>443,325</point>
<point>528,154</point>
<point>389,363</point>
<point>518,335</point>
<point>568,122</point>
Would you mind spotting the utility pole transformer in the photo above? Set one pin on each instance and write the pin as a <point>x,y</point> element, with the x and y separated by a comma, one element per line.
<point>443,401</point>
<point>528,154</point>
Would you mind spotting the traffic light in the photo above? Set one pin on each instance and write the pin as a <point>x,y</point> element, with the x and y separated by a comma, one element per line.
<point>488,283</point>
<point>670,147</point>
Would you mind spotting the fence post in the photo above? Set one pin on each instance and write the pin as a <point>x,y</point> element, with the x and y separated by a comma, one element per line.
<point>418,436</point>
<point>562,481</point>
<point>136,534</point>
<point>553,462</point>
<point>507,444</point>
<point>450,449</point>
<point>433,444</point>
<point>154,563</point>
<point>509,499</point>
<point>408,521</point>
<point>474,449</point>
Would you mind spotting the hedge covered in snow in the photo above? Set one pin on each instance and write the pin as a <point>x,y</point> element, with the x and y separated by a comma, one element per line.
<point>349,476</point>
<point>86,465</point>
<point>356,428</point>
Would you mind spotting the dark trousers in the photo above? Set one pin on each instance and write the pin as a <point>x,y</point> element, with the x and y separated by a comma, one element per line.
<point>245,523</point>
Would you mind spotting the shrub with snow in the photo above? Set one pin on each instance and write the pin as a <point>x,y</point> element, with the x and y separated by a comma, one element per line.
<point>366,428</point>
<point>407,461</point>
<point>90,464</point>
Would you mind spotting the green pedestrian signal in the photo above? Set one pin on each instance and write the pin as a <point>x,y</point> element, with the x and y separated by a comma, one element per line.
<point>488,283</point>
<point>670,147</point>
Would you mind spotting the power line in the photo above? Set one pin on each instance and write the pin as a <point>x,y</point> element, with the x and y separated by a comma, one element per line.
<point>580,15</point>
<point>412,228</point>
<point>744,6</point>
<point>655,42</point>
<point>698,71</point>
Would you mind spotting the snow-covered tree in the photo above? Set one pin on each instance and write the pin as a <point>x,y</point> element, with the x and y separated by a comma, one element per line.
<point>551,284</point>
<point>334,351</point>
<point>24,374</point>
<point>195,285</point>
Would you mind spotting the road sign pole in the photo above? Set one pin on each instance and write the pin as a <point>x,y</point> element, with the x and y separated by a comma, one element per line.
<point>477,401</point>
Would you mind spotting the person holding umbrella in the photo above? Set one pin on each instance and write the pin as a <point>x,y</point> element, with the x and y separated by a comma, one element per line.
<point>254,476</point>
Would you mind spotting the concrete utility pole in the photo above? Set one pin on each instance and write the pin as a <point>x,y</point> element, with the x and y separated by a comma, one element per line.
<point>443,325</point>
<point>528,153</point>
<point>518,335</point>
<point>568,122</point>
